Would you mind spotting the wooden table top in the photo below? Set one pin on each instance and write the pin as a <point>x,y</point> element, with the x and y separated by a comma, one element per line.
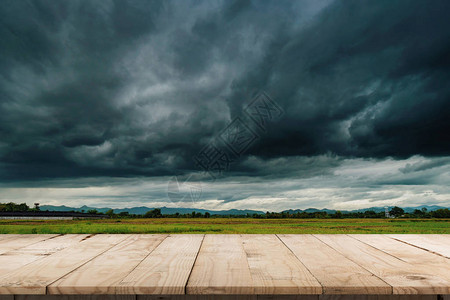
<point>155,264</point>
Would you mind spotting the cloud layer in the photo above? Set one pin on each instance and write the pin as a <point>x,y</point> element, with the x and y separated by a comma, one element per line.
<point>136,89</point>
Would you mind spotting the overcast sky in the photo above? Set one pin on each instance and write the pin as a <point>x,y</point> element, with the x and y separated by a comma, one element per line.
<point>309,103</point>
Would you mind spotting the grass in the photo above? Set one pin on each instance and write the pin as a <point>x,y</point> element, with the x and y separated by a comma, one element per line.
<point>227,225</point>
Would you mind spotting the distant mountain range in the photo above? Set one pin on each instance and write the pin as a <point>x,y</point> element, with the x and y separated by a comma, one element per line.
<point>143,209</point>
<point>172,210</point>
<point>375,209</point>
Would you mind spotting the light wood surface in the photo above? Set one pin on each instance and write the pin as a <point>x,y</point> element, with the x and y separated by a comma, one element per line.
<point>412,255</point>
<point>34,277</point>
<point>275,269</point>
<point>5,237</point>
<point>19,241</point>
<point>221,267</point>
<point>404,277</point>
<point>166,270</point>
<point>14,259</point>
<point>102,274</point>
<point>146,267</point>
<point>437,243</point>
<point>337,274</point>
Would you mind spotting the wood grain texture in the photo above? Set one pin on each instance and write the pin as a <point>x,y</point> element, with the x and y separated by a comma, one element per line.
<point>275,269</point>
<point>14,259</point>
<point>221,267</point>
<point>198,297</point>
<point>377,297</point>
<point>288,297</point>
<point>402,276</point>
<point>223,297</point>
<point>75,297</point>
<point>23,240</point>
<point>336,273</point>
<point>412,255</point>
<point>230,297</point>
<point>5,237</point>
<point>437,243</point>
<point>419,258</point>
<point>103,274</point>
<point>166,270</point>
<point>34,277</point>
<point>343,267</point>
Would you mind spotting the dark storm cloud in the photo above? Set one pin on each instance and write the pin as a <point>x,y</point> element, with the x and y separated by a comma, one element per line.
<point>59,78</point>
<point>366,78</point>
<point>123,88</point>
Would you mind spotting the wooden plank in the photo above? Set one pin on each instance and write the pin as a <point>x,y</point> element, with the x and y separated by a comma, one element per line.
<point>221,267</point>
<point>102,274</point>
<point>402,276</point>
<point>15,259</point>
<point>407,253</point>
<point>221,297</point>
<point>417,257</point>
<point>22,241</point>
<point>166,270</point>
<point>199,297</point>
<point>228,297</point>
<point>50,246</point>
<point>288,297</point>
<point>34,277</point>
<point>437,243</point>
<point>377,297</point>
<point>75,297</point>
<point>275,269</point>
<point>5,237</point>
<point>336,273</point>
<point>229,266</point>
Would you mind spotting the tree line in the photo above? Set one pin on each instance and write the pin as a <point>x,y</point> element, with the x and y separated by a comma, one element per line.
<point>395,212</point>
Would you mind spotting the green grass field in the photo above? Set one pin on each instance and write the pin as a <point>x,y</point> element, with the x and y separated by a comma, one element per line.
<point>227,225</point>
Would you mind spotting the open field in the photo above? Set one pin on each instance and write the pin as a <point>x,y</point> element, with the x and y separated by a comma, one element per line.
<point>227,225</point>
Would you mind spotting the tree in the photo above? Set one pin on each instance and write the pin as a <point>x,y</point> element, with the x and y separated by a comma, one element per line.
<point>207,215</point>
<point>110,213</point>
<point>124,214</point>
<point>418,213</point>
<point>396,211</point>
<point>370,214</point>
<point>92,211</point>
<point>154,213</point>
<point>441,213</point>
<point>11,206</point>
